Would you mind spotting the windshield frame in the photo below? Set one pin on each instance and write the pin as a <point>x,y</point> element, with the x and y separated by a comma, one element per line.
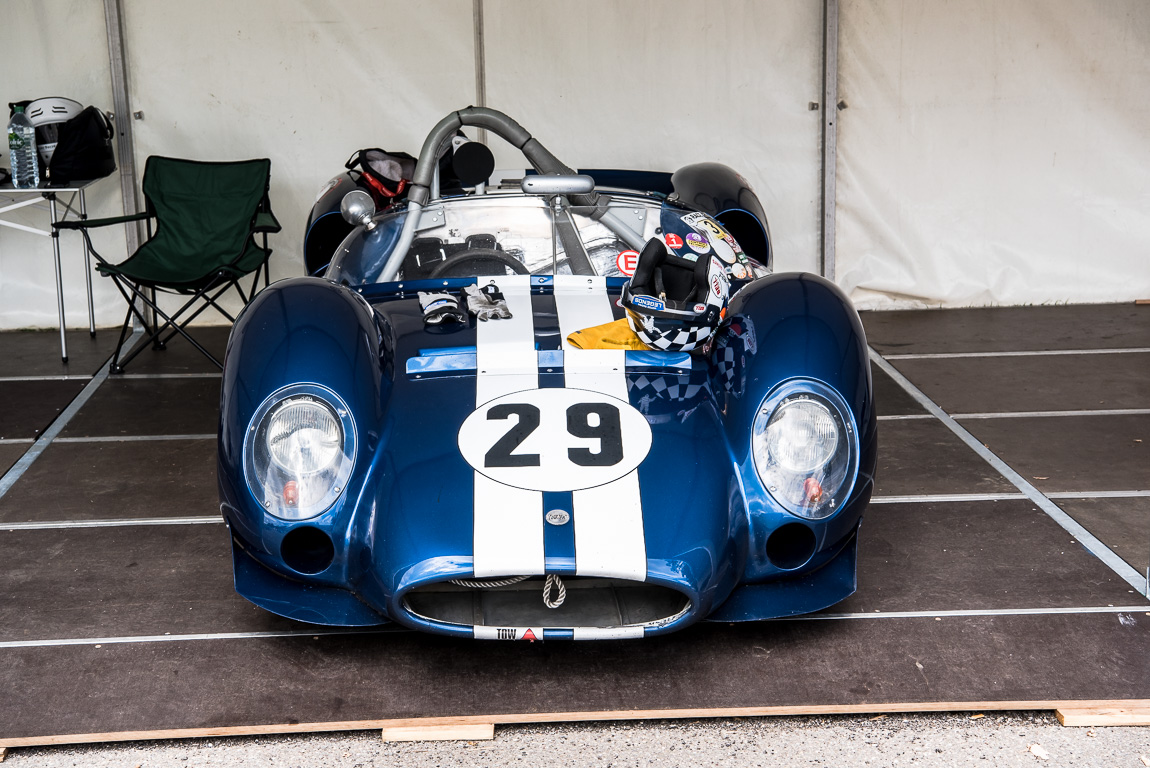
<point>491,218</point>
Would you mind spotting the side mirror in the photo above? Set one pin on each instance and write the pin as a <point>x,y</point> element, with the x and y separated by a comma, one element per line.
<point>358,209</point>
<point>557,185</point>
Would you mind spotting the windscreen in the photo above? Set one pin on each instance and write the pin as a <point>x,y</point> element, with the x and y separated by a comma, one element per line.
<point>499,234</point>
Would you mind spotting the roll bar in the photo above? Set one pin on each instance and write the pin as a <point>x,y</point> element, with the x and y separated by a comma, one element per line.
<point>501,125</point>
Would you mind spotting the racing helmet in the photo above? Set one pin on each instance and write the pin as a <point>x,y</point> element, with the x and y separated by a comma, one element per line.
<point>46,116</point>
<point>675,304</point>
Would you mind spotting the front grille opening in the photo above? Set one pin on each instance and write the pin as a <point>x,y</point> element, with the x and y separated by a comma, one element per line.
<point>589,603</point>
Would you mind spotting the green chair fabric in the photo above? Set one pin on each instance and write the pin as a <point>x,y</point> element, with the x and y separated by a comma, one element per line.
<point>204,214</point>
<point>207,216</point>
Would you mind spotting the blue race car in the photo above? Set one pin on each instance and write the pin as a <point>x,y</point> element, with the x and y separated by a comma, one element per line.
<point>544,404</point>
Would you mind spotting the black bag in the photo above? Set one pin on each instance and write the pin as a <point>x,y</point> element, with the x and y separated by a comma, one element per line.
<point>386,174</point>
<point>84,149</point>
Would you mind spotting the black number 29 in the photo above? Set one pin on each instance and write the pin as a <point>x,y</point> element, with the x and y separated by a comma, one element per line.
<point>607,430</point>
<point>500,454</point>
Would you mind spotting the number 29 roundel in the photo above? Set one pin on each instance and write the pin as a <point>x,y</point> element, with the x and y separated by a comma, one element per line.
<point>555,439</point>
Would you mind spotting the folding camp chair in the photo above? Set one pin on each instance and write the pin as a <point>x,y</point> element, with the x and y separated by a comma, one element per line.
<point>207,216</point>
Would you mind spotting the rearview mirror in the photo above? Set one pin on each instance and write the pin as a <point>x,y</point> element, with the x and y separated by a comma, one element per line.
<point>357,208</point>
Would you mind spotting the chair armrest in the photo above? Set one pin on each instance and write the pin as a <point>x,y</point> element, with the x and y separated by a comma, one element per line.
<point>90,223</point>
<point>266,221</point>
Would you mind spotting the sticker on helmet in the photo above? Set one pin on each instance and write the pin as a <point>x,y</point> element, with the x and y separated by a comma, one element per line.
<point>717,286</point>
<point>626,262</point>
<point>647,302</point>
<point>738,271</point>
<point>700,307</point>
<point>712,228</point>
<point>673,240</point>
<point>697,243</point>
<point>555,439</point>
<point>723,249</point>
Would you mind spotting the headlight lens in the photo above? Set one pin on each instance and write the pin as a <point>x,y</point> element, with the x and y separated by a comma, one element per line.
<point>299,451</point>
<point>804,453</point>
<point>303,436</point>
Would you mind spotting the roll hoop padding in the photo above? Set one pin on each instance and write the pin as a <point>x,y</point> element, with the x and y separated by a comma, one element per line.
<point>503,126</point>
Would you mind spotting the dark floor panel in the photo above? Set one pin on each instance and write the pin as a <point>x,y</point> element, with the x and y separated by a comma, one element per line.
<point>976,555</point>
<point>148,580</point>
<point>1072,453</point>
<point>37,353</point>
<point>114,480</point>
<point>1121,524</point>
<point>30,406</point>
<point>10,454</point>
<point>1055,383</point>
<point>126,406</point>
<point>890,398</point>
<point>219,683</point>
<point>130,580</point>
<point>180,356</point>
<point>1009,329</point>
<point>922,456</point>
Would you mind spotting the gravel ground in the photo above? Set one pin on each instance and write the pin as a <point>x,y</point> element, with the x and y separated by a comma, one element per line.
<point>953,739</point>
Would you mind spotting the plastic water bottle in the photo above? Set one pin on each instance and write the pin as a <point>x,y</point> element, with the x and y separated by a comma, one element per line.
<point>22,147</point>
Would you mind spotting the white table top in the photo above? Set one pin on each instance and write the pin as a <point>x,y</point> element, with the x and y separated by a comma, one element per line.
<point>72,186</point>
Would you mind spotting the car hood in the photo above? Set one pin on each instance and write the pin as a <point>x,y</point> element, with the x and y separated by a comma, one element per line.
<point>506,452</point>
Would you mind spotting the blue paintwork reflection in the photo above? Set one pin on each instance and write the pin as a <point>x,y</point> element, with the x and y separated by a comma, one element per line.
<point>405,518</point>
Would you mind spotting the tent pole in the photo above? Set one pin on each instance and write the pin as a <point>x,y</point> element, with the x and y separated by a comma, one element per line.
<point>829,131</point>
<point>125,150</point>
<point>480,63</point>
<point>125,153</point>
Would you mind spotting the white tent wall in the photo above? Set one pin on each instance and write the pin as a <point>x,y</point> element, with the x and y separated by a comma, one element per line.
<point>993,152</point>
<point>303,83</point>
<point>55,49</point>
<point>658,84</point>
<point>990,152</point>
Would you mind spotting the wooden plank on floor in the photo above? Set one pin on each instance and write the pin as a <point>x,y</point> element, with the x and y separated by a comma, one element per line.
<point>428,725</point>
<point>368,680</point>
<point>1104,716</point>
<point>463,731</point>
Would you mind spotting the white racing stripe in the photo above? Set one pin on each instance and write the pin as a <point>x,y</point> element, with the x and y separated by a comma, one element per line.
<point>608,519</point>
<point>505,355</point>
<point>508,539</point>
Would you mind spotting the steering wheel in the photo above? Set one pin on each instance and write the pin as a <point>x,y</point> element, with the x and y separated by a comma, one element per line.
<point>458,265</point>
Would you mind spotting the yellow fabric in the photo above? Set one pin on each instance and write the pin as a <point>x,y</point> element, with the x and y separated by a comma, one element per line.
<point>616,335</point>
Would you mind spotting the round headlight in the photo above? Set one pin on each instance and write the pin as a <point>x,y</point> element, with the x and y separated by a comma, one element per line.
<point>804,453</point>
<point>299,451</point>
<point>802,435</point>
<point>304,436</point>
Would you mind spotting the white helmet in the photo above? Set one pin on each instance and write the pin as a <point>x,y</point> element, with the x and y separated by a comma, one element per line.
<point>46,116</point>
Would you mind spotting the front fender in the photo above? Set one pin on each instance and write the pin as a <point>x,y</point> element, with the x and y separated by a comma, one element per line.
<point>782,328</point>
<point>300,331</point>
